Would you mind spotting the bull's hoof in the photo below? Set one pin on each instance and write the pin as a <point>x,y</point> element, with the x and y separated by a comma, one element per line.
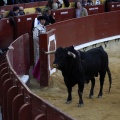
<point>68,102</point>
<point>87,81</point>
<point>80,105</point>
<point>99,96</point>
<point>90,96</point>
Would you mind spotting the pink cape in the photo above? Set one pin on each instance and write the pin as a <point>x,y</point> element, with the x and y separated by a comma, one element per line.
<point>36,70</point>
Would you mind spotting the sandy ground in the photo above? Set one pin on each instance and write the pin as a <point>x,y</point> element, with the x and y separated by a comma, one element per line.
<point>105,108</point>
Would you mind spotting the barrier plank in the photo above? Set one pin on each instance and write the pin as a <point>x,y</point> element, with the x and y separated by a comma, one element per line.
<point>18,101</point>
<point>95,9</point>
<point>113,6</point>
<point>40,117</point>
<point>12,92</point>
<point>6,85</point>
<point>21,55</point>
<point>6,33</point>
<point>4,77</point>
<point>63,14</point>
<point>25,112</point>
<point>23,24</point>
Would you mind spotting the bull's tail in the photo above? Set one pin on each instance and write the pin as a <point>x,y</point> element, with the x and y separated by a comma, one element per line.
<point>110,79</point>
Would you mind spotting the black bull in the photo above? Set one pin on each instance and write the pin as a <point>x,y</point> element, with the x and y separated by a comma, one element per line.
<point>80,67</point>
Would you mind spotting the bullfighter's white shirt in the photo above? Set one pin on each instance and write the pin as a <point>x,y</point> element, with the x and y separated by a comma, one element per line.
<point>39,29</point>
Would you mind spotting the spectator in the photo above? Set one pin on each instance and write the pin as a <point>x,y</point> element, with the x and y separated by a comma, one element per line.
<point>2,14</point>
<point>14,11</point>
<point>80,11</point>
<point>97,2</point>
<point>21,10</point>
<point>49,18</point>
<point>59,2</point>
<point>48,6</point>
<point>54,6</point>
<point>90,2</point>
<point>66,3</point>
<point>76,2</point>
<point>39,29</point>
<point>38,10</point>
<point>87,2</point>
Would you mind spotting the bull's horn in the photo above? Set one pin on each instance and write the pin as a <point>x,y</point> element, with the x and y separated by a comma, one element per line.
<point>72,54</point>
<point>50,52</point>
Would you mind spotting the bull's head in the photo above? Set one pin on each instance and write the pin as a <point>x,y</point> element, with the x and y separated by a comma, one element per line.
<point>62,55</point>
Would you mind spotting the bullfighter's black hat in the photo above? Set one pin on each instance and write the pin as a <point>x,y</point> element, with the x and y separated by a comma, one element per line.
<point>41,18</point>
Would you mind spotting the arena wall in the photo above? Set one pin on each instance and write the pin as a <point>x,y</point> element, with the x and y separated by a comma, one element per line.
<point>16,99</point>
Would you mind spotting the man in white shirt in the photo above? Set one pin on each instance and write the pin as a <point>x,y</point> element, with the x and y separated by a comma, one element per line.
<point>39,29</point>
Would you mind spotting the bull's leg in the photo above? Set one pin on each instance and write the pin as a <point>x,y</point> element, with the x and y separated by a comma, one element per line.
<point>69,99</point>
<point>102,76</point>
<point>80,93</point>
<point>92,88</point>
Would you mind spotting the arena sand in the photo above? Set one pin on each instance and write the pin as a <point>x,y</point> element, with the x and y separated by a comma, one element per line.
<point>105,108</point>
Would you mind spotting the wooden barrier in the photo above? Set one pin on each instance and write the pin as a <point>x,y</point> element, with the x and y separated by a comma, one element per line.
<point>86,28</point>
<point>63,14</point>
<point>18,103</point>
<point>95,9</point>
<point>21,56</point>
<point>6,85</point>
<point>24,25</point>
<point>6,33</point>
<point>69,13</point>
<point>44,63</point>
<point>113,6</point>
